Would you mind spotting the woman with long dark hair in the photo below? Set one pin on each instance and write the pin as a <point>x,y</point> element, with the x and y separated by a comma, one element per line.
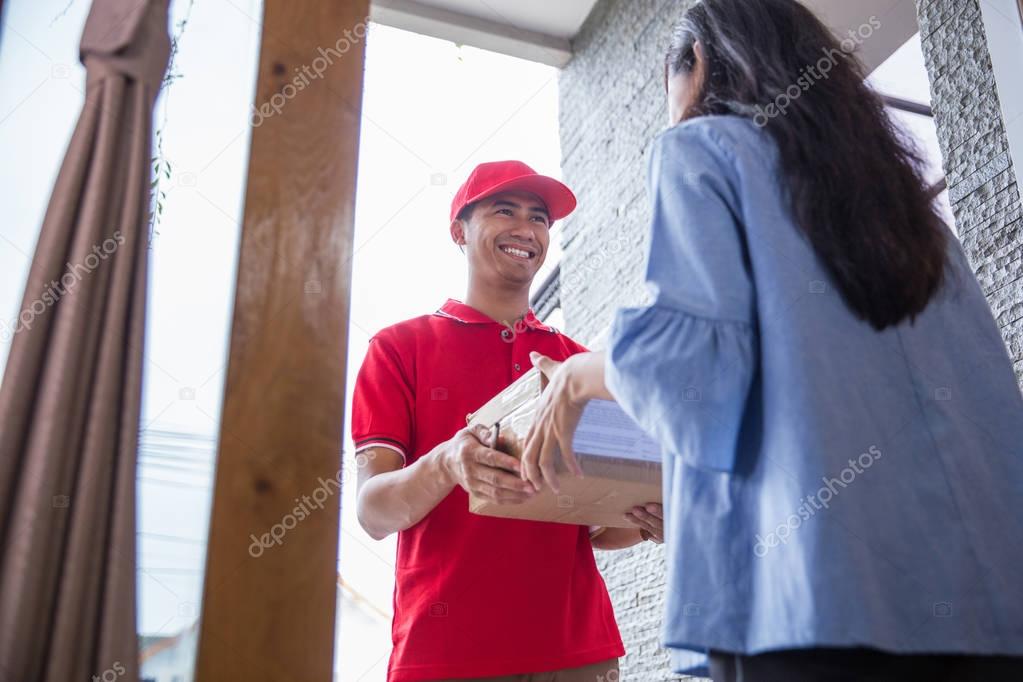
<point>841,425</point>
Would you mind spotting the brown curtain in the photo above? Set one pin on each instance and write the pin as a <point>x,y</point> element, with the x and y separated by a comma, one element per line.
<point>69,403</point>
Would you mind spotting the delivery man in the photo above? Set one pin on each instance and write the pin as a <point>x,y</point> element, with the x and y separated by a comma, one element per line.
<point>479,597</point>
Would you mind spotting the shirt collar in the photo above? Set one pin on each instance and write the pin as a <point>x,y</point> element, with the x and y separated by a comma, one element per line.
<point>466,314</point>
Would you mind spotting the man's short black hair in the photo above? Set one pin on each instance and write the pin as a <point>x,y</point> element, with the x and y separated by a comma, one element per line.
<point>466,212</point>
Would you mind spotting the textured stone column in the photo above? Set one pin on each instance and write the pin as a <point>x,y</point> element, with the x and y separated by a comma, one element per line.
<point>974,147</point>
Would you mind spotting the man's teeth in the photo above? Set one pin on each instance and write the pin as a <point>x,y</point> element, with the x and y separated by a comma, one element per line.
<point>516,252</point>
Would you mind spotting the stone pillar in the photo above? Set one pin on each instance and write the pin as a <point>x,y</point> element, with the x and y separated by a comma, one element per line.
<point>975,151</point>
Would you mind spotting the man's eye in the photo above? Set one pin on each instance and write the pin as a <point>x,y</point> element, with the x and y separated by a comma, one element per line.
<point>540,219</point>
<point>506,211</point>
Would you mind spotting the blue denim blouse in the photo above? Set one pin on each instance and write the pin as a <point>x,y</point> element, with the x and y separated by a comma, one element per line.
<point>825,484</point>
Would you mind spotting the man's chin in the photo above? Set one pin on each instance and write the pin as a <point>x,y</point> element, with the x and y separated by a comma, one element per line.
<point>521,278</point>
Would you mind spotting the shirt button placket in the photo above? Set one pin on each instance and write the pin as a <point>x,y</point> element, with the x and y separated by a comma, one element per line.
<point>516,351</point>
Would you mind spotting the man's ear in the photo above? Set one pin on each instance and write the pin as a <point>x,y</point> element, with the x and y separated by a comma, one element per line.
<point>458,232</point>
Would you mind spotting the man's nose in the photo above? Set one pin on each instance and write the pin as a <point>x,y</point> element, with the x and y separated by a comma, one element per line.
<point>523,229</point>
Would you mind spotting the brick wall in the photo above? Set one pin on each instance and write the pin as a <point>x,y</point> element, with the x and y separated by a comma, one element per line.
<point>982,185</point>
<point>612,105</point>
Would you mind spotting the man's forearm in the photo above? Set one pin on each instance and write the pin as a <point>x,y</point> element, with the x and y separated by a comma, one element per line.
<point>395,500</point>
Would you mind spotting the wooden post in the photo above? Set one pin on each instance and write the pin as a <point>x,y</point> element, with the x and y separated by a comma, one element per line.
<point>270,588</point>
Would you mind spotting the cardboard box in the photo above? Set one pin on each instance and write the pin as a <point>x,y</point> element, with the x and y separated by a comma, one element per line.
<point>620,463</point>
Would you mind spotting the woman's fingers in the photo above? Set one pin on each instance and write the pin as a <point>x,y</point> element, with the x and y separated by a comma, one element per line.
<point>648,534</point>
<point>655,509</point>
<point>530,464</point>
<point>636,521</point>
<point>548,455</point>
<point>647,516</point>
<point>527,448</point>
<point>647,521</point>
<point>543,363</point>
<point>568,454</point>
<point>552,430</point>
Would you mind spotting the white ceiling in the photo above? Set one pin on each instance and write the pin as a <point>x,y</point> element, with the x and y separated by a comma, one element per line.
<point>541,30</point>
<point>538,30</point>
<point>896,21</point>
<point>558,18</point>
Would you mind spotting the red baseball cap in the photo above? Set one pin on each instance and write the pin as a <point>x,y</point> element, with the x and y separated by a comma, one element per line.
<point>490,178</point>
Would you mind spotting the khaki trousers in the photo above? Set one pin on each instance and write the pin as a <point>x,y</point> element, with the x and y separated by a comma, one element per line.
<point>604,671</point>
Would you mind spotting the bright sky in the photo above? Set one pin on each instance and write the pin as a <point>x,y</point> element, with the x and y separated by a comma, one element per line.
<point>431,111</point>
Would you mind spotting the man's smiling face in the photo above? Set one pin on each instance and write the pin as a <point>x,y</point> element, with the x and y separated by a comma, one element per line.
<point>506,237</point>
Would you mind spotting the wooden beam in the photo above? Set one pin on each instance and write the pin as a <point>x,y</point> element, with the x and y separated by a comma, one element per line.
<point>270,587</point>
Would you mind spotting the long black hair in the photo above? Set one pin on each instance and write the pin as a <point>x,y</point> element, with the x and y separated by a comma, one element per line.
<point>854,182</point>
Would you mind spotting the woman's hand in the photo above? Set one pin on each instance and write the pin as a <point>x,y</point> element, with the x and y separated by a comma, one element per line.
<point>554,425</point>
<point>649,519</point>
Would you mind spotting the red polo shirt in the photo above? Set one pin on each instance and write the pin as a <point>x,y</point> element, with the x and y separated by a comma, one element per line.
<point>475,596</point>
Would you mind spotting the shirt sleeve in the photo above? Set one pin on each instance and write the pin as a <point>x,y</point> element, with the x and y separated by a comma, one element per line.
<point>682,366</point>
<point>383,402</point>
<point>573,347</point>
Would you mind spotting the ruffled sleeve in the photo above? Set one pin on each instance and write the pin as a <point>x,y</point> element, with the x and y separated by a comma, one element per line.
<point>682,367</point>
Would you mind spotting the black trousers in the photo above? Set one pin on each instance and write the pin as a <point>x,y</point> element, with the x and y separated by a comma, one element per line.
<point>862,665</point>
